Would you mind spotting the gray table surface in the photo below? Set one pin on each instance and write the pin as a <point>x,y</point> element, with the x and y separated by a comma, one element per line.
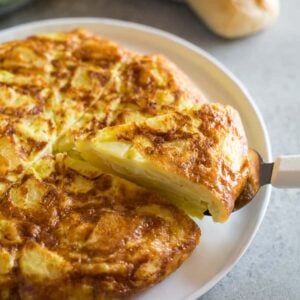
<point>269,65</point>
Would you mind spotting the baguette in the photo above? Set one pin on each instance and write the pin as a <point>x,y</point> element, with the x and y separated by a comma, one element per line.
<point>236,18</point>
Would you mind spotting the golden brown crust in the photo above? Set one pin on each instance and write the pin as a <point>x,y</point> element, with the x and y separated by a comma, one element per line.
<point>155,85</point>
<point>142,86</point>
<point>103,236</point>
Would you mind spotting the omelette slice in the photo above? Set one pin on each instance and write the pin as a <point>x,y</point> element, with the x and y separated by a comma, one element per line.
<point>197,159</point>
<point>73,232</point>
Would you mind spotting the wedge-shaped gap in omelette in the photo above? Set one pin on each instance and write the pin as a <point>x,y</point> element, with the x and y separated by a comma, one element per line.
<point>197,158</point>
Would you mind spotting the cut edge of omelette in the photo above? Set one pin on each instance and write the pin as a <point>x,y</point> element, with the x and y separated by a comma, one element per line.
<point>197,159</point>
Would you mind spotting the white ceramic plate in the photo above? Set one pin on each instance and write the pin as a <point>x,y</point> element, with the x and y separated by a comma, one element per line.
<point>222,244</point>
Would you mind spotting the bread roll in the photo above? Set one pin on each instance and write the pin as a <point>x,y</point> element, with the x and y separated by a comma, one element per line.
<point>236,18</point>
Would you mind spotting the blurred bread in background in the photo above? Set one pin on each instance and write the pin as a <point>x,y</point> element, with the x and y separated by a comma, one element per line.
<point>236,18</point>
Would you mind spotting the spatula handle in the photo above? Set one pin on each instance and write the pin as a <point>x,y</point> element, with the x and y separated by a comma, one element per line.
<point>286,172</point>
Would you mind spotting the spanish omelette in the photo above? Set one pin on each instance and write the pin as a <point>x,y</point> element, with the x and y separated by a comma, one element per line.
<point>67,229</point>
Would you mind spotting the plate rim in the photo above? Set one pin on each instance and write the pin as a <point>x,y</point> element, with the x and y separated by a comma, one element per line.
<point>216,63</point>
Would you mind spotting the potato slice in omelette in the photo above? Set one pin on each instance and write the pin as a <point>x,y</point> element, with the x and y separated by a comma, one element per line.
<point>197,158</point>
<point>73,232</point>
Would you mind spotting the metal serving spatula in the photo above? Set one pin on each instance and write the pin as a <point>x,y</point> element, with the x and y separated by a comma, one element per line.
<point>283,173</point>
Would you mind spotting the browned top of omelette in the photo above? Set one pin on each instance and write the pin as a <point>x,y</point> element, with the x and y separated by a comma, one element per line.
<point>57,87</point>
<point>142,86</point>
<point>66,235</point>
